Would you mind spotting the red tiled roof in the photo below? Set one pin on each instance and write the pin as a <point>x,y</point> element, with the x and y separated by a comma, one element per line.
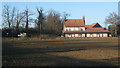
<point>96,30</point>
<point>74,22</point>
<point>88,26</point>
<point>93,24</point>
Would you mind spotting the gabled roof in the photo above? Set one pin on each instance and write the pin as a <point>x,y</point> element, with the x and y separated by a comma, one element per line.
<point>92,25</point>
<point>88,26</point>
<point>74,22</point>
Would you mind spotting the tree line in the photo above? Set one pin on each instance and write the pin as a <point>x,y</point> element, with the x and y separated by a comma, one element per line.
<point>16,22</point>
<point>114,24</point>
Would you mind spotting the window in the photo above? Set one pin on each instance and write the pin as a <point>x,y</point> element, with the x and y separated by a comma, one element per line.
<point>69,35</point>
<point>79,35</point>
<point>91,35</point>
<point>80,29</point>
<point>98,35</point>
<point>66,29</point>
<point>69,29</point>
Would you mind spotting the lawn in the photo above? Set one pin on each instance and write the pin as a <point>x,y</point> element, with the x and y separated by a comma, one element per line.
<point>60,52</point>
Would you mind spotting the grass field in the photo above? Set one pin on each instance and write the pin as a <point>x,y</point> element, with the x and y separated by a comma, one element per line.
<point>60,52</point>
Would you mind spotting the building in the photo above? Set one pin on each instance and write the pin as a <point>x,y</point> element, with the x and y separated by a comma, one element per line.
<point>77,28</point>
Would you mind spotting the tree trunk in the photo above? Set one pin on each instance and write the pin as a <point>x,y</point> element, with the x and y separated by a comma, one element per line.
<point>9,24</point>
<point>26,23</point>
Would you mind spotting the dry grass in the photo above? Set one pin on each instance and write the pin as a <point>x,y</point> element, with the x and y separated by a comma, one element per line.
<point>61,52</point>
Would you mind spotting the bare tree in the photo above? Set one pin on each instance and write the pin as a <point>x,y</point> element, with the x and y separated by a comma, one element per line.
<point>19,18</point>
<point>40,19</point>
<point>53,24</point>
<point>8,16</point>
<point>13,16</point>
<point>65,15</point>
<point>27,15</point>
<point>114,20</point>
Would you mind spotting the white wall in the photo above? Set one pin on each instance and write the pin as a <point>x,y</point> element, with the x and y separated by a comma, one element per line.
<point>94,35</point>
<point>74,35</point>
<point>74,28</point>
<point>83,35</point>
<point>67,35</point>
<point>105,35</point>
<point>97,35</point>
<point>100,34</point>
<point>87,35</point>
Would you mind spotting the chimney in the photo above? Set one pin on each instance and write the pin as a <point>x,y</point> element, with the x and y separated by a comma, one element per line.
<point>84,19</point>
